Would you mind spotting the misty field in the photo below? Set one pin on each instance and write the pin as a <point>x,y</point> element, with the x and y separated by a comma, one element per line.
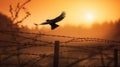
<point>69,56</point>
<point>37,50</point>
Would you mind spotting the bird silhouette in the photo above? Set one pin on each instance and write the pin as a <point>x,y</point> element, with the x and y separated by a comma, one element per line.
<point>53,22</point>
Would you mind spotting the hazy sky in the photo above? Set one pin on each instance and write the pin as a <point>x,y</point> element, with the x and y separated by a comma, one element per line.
<point>78,12</point>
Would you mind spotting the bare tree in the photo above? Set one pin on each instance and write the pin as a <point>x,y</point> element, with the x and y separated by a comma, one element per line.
<point>16,11</point>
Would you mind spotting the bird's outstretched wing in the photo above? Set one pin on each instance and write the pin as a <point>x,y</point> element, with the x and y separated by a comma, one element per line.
<point>44,23</point>
<point>59,18</point>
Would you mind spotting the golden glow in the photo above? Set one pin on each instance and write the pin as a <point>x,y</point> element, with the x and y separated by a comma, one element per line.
<point>78,12</point>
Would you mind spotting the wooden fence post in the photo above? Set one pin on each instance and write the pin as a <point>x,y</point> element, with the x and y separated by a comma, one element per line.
<point>115,57</point>
<point>0,60</point>
<point>102,58</point>
<point>56,54</point>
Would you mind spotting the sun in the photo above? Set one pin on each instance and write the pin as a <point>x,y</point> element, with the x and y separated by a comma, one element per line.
<point>89,17</point>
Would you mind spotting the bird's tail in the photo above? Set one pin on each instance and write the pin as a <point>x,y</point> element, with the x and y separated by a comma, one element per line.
<point>53,26</point>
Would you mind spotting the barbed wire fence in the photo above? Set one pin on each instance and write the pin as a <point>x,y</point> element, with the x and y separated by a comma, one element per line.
<point>36,41</point>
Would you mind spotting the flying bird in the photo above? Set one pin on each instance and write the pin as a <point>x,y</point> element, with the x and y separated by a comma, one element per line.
<point>53,22</point>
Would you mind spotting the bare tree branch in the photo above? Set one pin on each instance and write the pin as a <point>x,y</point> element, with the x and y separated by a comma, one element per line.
<point>24,3</point>
<point>18,8</point>
<point>27,15</point>
<point>11,10</point>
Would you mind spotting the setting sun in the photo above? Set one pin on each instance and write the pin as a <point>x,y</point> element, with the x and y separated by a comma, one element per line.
<point>89,17</point>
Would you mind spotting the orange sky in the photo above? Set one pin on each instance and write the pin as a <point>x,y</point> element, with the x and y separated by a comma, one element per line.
<point>76,10</point>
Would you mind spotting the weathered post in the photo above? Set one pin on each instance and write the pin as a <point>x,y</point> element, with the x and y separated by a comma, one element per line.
<point>18,57</point>
<point>115,57</point>
<point>102,58</point>
<point>0,60</point>
<point>56,54</point>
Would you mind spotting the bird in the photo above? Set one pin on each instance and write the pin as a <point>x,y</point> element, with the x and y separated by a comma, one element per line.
<point>53,22</point>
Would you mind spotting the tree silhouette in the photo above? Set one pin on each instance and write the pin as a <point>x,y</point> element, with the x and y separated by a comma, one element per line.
<point>117,27</point>
<point>6,23</point>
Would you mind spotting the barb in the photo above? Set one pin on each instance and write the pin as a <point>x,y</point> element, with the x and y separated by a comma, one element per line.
<point>20,44</point>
